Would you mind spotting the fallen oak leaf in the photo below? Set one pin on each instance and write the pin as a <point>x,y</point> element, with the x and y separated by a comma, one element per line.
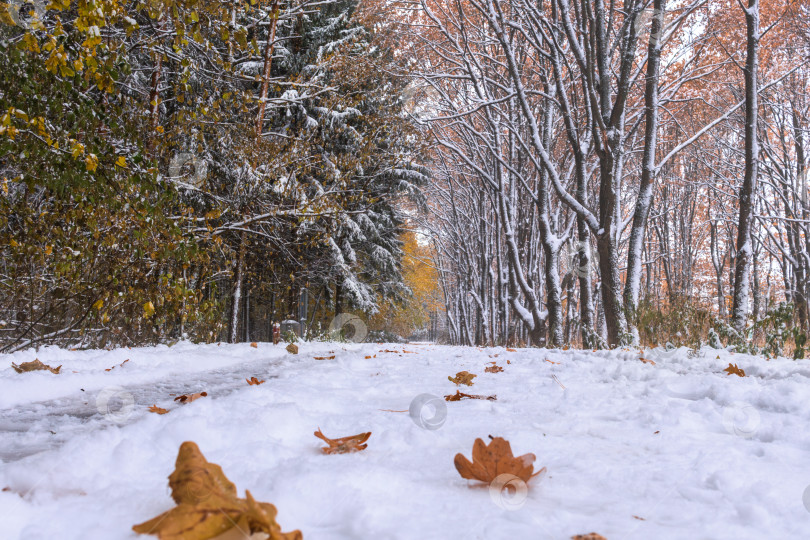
<point>292,348</point>
<point>207,505</point>
<point>732,369</point>
<point>253,381</point>
<point>35,365</point>
<point>343,445</point>
<point>458,396</point>
<point>159,410</point>
<point>188,398</point>
<point>493,369</point>
<point>462,377</point>
<point>492,460</point>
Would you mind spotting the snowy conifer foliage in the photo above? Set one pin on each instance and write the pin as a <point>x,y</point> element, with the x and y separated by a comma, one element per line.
<point>218,162</point>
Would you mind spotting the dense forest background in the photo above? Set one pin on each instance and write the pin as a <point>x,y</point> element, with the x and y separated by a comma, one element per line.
<point>555,173</point>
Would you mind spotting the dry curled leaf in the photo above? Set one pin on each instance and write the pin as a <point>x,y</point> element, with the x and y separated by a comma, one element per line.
<point>589,536</point>
<point>490,461</point>
<point>458,396</point>
<point>511,350</point>
<point>551,361</point>
<point>343,445</point>
<point>463,377</point>
<point>253,381</point>
<point>254,345</point>
<point>324,357</point>
<point>647,361</point>
<point>732,369</point>
<point>207,505</point>
<point>120,365</point>
<point>156,409</point>
<point>188,398</point>
<point>292,348</point>
<point>36,365</point>
<point>493,369</point>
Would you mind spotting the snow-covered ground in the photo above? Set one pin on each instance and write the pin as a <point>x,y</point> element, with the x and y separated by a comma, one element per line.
<point>675,450</point>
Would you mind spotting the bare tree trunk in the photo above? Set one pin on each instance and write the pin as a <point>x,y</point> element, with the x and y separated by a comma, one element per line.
<point>645,192</point>
<point>268,64</point>
<point>236,296</point>
<point>742,267</point>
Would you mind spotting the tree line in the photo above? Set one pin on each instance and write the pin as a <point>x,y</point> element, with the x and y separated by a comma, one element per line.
<point>598,165</point>
<point>165,161</point>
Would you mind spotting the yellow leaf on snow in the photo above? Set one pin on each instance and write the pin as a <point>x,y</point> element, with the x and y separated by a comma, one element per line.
<point>159,410</point>
<point>190,397</point>
<point>207,505</point>
<point>492,460</point>
<point>463,377</point>
<point>36,365</point>
<point>732,369</point>
<point>343,445</point>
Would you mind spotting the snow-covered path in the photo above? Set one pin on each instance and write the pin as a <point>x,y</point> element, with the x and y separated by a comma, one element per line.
<point>675,450</point>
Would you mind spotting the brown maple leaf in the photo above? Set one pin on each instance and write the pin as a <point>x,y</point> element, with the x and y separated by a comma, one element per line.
<point>493,369</point>
<point>462,377</point>
<point>458,396</point>
<point>207,505</point>
<point>253,381</point>
<point>35,365</point>
<point>343,445</point>
<point>732,369</point>
<point>156,409</point>
<point>188,398</point>
<point>490,461</point>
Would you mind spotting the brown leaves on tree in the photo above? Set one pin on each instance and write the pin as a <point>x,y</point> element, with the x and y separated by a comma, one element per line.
<point>253,381</point>
<point>490,461</point>
<point>207,505</point>
<point>732,369</point>
<point>344,445</point>
<point>458,396</point>
<point>36,365</point>
<point>462,377</point>
<point>188,398</point>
